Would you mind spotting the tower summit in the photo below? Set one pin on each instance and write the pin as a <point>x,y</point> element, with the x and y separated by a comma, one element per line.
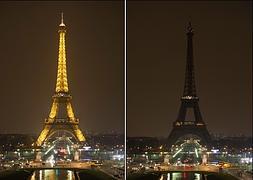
<point>62,80</point>
<point>62,23</point>
<point>184,126</point>
<point>189,85</point>
<point>61,117</point>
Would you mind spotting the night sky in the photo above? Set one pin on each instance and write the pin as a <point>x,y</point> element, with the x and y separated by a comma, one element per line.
<point>28,62</point>
<point>156,56</point>
<point>156,49</point>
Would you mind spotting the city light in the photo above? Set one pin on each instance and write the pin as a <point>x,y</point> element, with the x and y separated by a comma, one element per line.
<point>246,160</point>
<point>215,150</point>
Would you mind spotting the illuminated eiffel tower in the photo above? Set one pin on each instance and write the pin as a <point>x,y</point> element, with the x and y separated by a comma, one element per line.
<point>61,116</point>
<point>185,126</point>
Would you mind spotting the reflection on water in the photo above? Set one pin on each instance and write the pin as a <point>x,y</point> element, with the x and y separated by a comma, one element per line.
<point>181,176</point>
<point>55,174</point>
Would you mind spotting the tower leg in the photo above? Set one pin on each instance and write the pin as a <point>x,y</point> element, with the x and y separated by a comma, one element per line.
<point>43,135</point>
<point>76,155</point>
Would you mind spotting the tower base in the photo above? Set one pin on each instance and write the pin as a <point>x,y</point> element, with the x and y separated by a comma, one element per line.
<point>60,125</point>
<point>182,129</point>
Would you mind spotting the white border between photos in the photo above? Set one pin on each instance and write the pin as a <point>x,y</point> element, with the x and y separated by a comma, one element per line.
<point>125,83</point>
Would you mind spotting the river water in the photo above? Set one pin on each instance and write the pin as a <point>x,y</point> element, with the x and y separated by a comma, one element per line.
<point>53,174</point>
<point>181,176</point>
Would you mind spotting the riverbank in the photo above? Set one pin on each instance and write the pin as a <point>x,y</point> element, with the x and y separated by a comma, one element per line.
<point>23,174</point>
<point>164,175</point>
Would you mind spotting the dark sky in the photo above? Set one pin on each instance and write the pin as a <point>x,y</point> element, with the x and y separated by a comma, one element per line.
<point>156,49</point>
<point>28,61</point>
<point>156,63</point>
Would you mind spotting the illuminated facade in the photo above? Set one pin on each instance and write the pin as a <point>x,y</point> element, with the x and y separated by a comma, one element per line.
<point>61,116</point>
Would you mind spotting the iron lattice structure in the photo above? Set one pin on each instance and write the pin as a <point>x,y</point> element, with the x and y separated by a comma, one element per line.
<point>61,116</point>
<point>189,100</point>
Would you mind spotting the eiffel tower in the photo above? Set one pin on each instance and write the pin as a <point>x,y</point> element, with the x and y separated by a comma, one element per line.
<point>61,116</point>
<point>189,101</point>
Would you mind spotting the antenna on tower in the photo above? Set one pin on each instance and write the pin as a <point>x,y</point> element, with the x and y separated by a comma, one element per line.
<point>190,27</point>
<point>62,18</point>
<point>62,24</point>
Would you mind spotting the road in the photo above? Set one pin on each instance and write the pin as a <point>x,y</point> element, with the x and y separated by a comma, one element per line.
<point>113,172</point>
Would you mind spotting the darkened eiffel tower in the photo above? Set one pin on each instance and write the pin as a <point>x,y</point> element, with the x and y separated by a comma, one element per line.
<point>61,117</point>
<point>183,126</point>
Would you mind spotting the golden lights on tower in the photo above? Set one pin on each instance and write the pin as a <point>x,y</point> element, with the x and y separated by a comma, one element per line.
<point>61,96</point>
<point>62,81</point>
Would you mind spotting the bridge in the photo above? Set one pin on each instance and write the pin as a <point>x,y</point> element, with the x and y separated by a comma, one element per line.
<point>71,165</point>
<point>206,168</point>
<point>76,167</point>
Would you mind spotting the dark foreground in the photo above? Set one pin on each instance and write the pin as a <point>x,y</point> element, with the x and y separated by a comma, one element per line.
<point>91,174</point>
<point>181,175</point>
<point>15,174</point>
